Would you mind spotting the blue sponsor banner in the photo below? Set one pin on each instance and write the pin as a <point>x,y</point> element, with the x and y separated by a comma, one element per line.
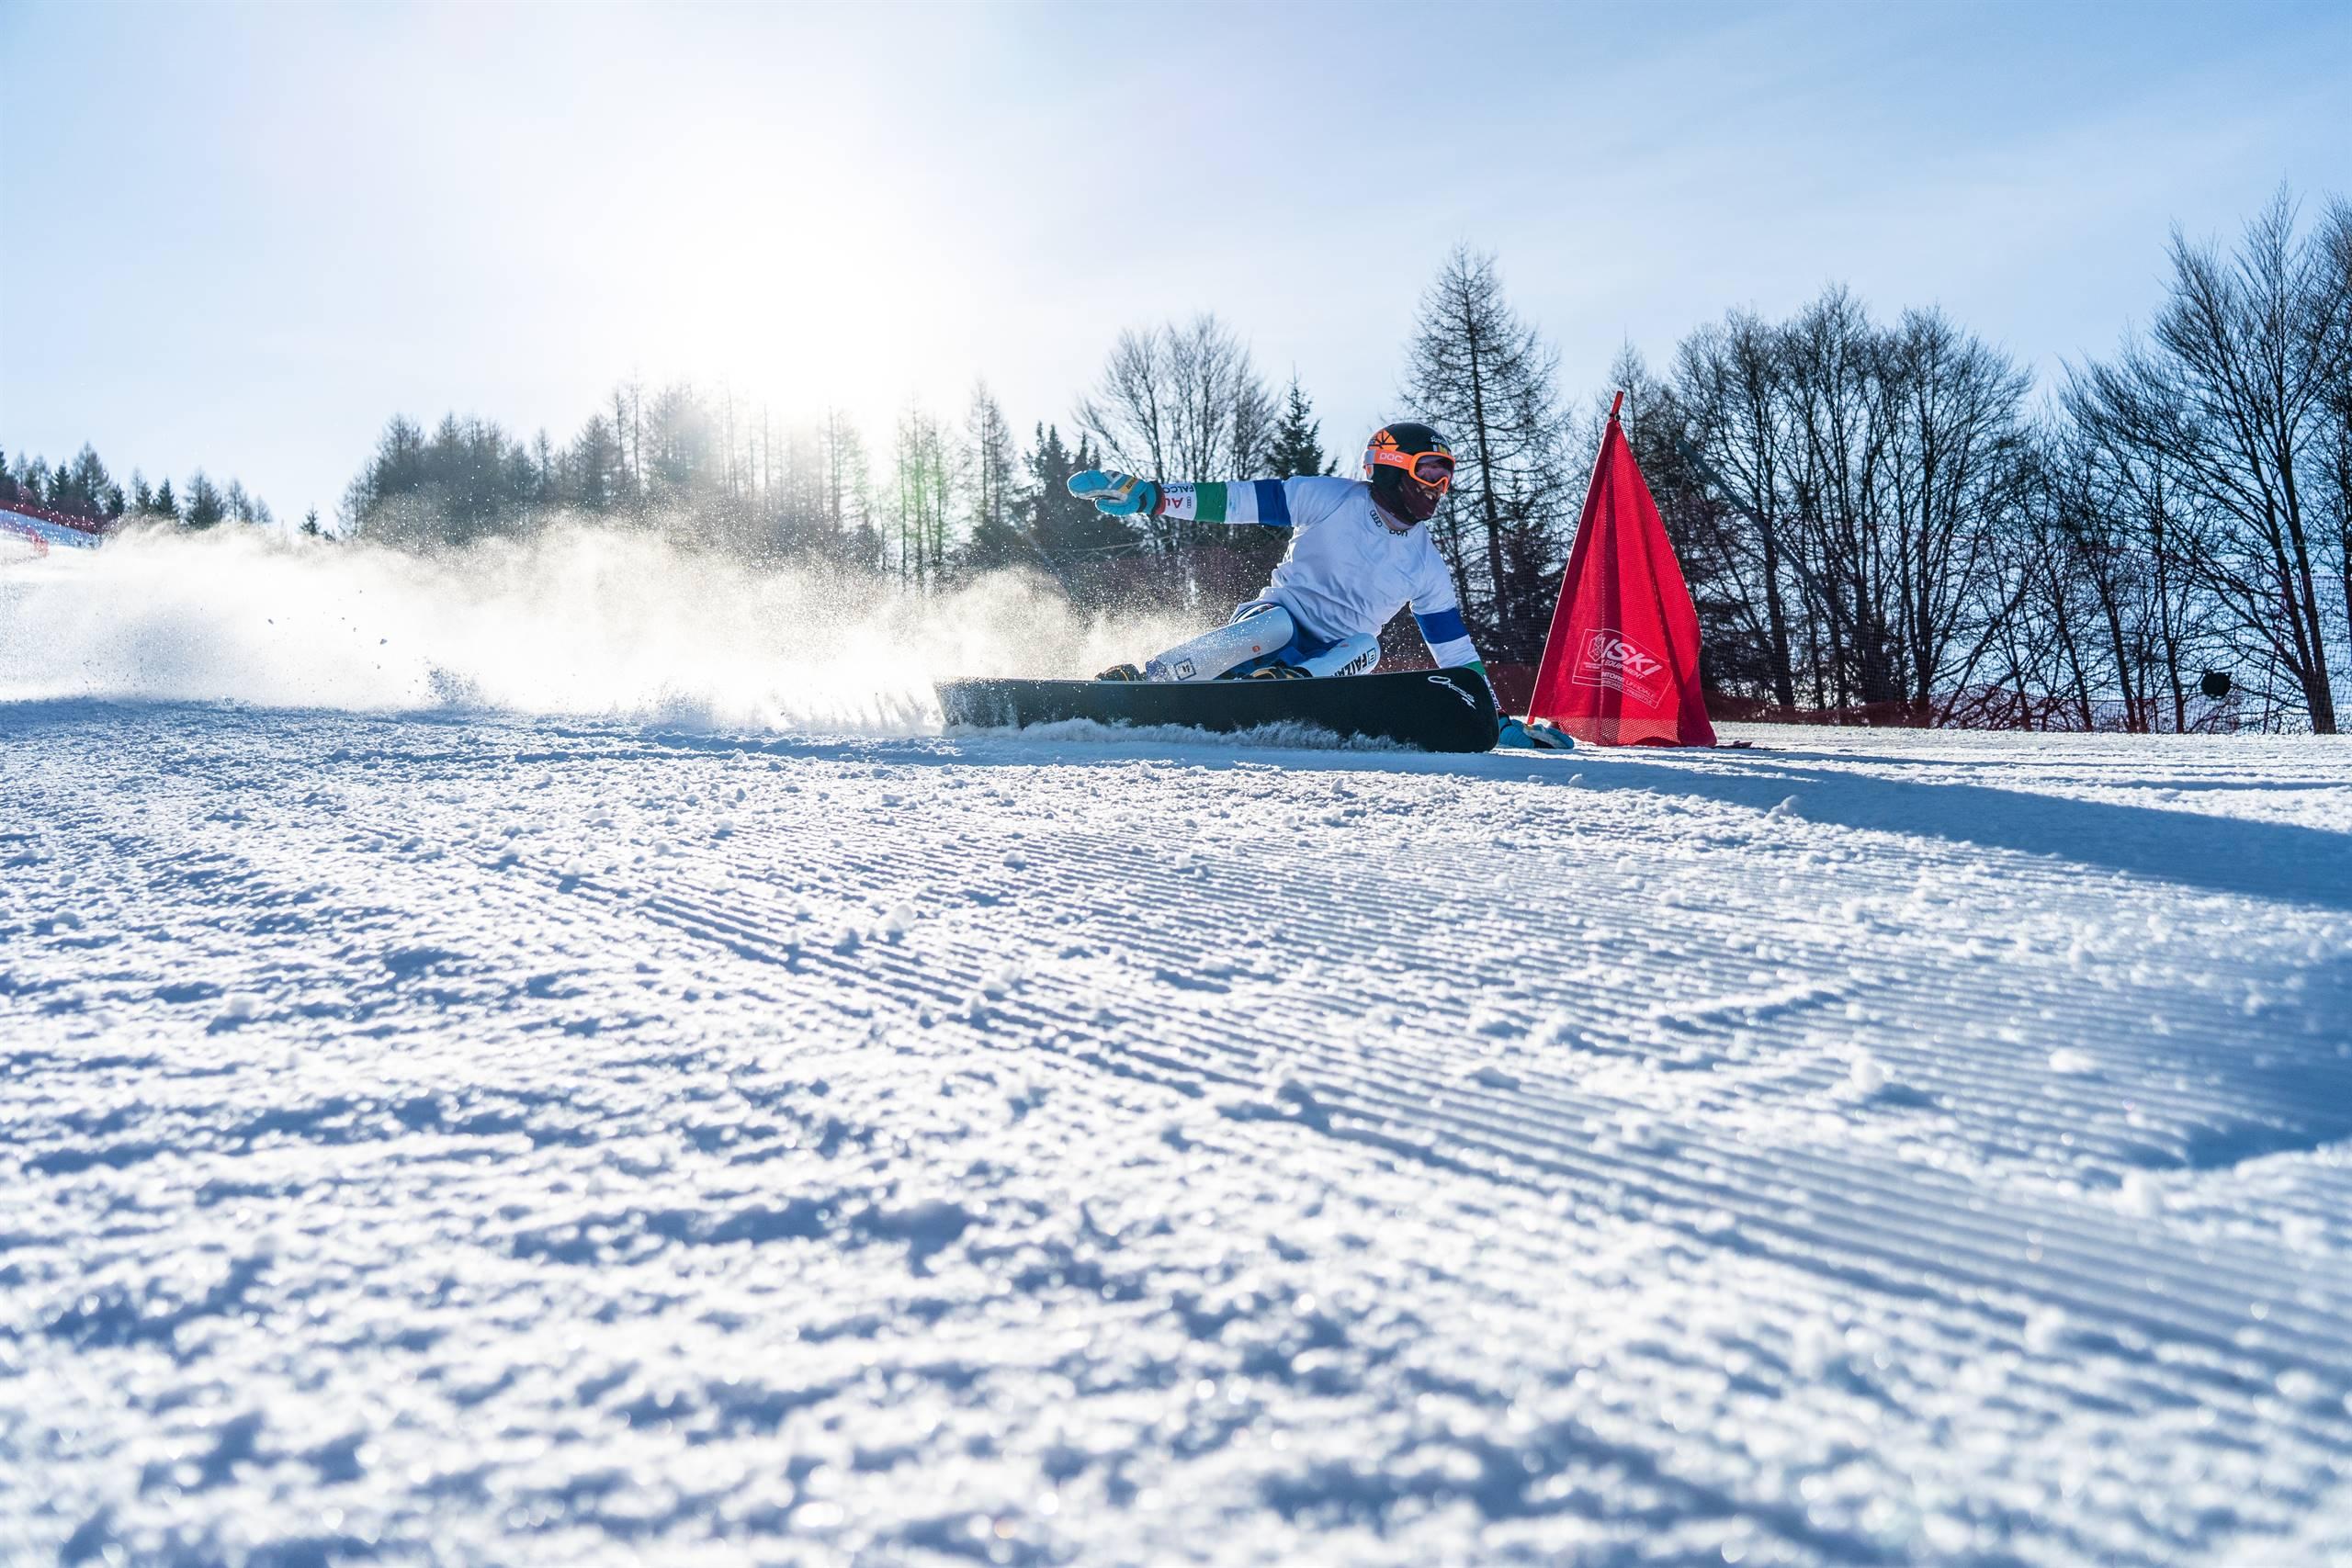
<point>50,530</point>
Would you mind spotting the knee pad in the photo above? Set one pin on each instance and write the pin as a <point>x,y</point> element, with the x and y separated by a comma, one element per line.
<point>1349,655</point>
<point>1212,653</point>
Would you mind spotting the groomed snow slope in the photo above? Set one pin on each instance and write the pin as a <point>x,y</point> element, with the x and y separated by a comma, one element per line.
<point>481,1140</point>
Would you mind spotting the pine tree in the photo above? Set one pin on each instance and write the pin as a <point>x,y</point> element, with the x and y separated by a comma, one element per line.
<point>246,507</point>
<point>166,504</point>
<point>1079,543</point>
<point>206,504</point>
<point>995,539</point>
<point>466,480</point>
<point>848,505</point>
<point>1065,527</point>
<point>1298,440</point>
<point>592,465</point>
<point>26,484</point>
<point>1485,378</point>
<point>91,491</point>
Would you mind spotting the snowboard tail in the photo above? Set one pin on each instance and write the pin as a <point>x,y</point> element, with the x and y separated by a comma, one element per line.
<point>1437,710</point>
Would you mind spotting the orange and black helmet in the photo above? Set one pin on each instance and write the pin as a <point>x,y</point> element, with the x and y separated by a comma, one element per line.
<point>1410,467</point>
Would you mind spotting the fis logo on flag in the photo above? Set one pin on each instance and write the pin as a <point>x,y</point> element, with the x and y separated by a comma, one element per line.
<point>1613,661</point>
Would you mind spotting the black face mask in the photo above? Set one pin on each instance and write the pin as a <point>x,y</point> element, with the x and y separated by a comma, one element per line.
<point>1402,498</point>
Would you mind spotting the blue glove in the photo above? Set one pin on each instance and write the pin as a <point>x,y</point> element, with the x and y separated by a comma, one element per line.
<point>1121,495</point>
<point>1517,736</point>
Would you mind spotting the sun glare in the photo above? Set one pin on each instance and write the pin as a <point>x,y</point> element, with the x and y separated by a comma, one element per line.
<point>820,290</point>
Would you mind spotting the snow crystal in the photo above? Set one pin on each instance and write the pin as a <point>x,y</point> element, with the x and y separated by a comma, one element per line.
<point>2068,1061</point>
<point>2299,1386</point>
<point>1558,1028</point>
<point>1498,1023</point>
<point>2044,1328</point>
<point>1494,1074</point>
<point>1810,1351</point>
<point>1303,1100</point>
<point>1864,1076</point>
<point>237,1007</point>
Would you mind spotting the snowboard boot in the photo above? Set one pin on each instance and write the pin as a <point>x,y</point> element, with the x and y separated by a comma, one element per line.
<point>1282,673</point>
<point>1120,672</point>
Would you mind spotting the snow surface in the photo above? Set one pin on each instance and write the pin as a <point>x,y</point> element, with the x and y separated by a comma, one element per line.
<point>470,1137</point>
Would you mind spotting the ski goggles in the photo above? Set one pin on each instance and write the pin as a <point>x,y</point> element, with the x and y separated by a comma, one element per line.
<point>1434,470</point>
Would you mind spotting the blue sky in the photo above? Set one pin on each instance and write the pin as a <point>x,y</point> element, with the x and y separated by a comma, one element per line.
<point>244,236</point>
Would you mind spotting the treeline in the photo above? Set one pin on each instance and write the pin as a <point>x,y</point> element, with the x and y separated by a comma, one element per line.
<point>86,488</point>
<point>1882,521</point>
<point>945,500</point>
<point>1877,519</point>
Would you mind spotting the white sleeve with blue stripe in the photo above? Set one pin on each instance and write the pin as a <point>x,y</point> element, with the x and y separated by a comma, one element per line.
<point>1438,613</point>
<point>1261,501</point>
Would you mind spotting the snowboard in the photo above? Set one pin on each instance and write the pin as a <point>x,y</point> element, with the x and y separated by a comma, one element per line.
<point>1437,710</point>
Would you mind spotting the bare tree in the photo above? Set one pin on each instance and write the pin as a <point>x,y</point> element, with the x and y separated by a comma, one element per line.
<point>1870,474</point>
<point>922,487</point>
<point>2335,241</point>
<point>1832,368</point>
<point>1957,451</point>
<point>2133,505</point>
<point>2233,395</point>
<point>1727,392</point>
<point>1182,403</point>
<point>846,481</point>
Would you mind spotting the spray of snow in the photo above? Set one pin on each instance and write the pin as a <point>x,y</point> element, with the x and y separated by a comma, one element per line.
<point>576,620</point>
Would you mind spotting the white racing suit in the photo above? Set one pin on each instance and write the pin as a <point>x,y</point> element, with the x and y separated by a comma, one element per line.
<point>1347,574</point>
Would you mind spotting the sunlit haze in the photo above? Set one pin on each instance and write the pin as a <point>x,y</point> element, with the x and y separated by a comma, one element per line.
<point>243,237</point>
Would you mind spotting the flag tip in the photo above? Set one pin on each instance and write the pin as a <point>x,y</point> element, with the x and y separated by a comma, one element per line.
<point>1617,403</point>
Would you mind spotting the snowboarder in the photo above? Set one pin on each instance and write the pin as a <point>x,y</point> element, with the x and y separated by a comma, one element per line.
<point>1358,554</point>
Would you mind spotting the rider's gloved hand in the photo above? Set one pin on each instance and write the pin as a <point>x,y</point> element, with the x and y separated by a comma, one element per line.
<point>1517,735</point>
<point>1121,495</point>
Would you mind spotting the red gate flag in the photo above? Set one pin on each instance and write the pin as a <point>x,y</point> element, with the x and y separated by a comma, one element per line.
<point>1621,663</point>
